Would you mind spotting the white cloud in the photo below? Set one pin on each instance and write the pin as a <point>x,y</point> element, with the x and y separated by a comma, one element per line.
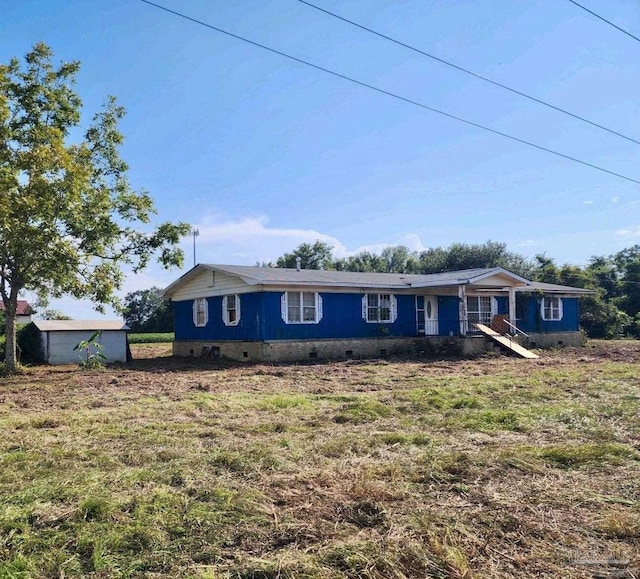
<point>244,241</point>
<point>411,241</point>
<point>629,233</point>
<point>587,202</point>
<point>252,240</point>
<point>615,199</point>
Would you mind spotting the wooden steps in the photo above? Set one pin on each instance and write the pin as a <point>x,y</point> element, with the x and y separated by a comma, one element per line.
<point>507,343</point>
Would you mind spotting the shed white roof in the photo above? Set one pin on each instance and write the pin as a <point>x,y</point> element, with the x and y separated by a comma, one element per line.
<point>79,325</point>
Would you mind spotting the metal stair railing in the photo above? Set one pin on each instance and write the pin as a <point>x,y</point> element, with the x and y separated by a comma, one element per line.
<point>516,329</point>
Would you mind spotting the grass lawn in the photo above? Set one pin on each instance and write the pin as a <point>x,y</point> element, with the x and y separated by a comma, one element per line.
<point>488,468</point>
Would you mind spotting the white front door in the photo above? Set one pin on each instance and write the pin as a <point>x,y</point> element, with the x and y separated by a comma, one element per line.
<point>431,315</point>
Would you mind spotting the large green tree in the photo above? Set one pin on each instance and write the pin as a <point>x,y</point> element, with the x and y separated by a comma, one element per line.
<point>460,256</point>
<point>316,256</point>
<point>69,220</point>
<point>599,315</point>
<point>147,311</point>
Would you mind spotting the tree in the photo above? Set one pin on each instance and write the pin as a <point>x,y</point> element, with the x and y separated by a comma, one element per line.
<point>365,261</point>
<point>316,256</point>
<point>459,256</point>
<point>399,259</point>
<point>147,311</point>
<point>628,265</point>
<point>599,315</point>
<point>53,315</point>
<point>69,219</point>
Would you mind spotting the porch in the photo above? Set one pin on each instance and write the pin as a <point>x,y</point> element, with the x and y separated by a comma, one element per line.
<point>458,311</point>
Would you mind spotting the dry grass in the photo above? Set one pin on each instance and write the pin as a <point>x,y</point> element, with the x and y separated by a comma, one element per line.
<point>495,467</point>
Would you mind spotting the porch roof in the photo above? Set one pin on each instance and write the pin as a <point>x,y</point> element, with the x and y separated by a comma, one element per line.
<point>552,288</point>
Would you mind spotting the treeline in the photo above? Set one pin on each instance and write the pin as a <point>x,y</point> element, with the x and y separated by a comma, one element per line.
<point>613,311</point>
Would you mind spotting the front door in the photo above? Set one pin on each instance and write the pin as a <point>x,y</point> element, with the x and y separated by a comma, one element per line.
<point>431,315</point>
<point>427,315</point>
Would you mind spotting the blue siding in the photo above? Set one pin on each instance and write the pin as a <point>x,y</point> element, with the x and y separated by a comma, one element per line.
<point>530,319</point>
<point>261,318</point>
<point>503,305</point>
<point>249,327</point>
<point>448,316</point>
<point>342,319</point>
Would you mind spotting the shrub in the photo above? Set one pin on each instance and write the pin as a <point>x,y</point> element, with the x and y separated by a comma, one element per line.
<point>29,344</point>
<point>150,338</point>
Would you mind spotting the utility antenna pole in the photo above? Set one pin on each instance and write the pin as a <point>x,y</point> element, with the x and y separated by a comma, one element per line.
<point>195,233</point>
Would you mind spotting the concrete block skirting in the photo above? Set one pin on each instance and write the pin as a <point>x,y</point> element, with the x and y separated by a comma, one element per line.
<point>555,340</point>
<point>300,350</point>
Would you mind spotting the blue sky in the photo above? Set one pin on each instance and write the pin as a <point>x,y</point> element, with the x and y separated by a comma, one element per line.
<point>261,153</point>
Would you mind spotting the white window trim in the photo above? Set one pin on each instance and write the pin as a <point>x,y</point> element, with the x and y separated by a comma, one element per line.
<point>393,305</point>
<point>225,311</point>
<point>284,308</point>
<point>560,309</point>
<point>494,303</point>
<point>205,309</point>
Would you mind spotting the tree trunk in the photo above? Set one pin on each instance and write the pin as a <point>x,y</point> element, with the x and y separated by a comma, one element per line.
<point>10,359</point>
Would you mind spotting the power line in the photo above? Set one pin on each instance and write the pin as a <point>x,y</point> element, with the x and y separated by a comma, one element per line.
<point>470,72</point>
<point>388,93</point>
<point>605,20</point>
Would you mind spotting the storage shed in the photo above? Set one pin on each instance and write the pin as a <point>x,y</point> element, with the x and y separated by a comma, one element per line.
<point>60,337</point>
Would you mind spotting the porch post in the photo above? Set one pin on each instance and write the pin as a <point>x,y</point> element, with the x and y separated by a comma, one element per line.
<point>512,308</point>
<point>462,295</point>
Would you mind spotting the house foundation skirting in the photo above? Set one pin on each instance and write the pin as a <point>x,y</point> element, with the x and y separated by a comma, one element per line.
<point>554,340</point>
<point>299,350</point>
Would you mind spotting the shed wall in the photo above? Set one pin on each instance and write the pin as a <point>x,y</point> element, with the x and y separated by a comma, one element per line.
<point>58,346</point>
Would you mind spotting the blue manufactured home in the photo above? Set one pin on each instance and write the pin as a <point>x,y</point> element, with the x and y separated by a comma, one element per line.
<point>258,313</point>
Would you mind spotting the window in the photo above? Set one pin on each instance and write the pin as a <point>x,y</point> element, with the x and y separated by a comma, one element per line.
<point>551,308</point>
<point>231,310</point>
<point>200,312</point>
<point>480,310</point>
<point>379,308</point>
<point>301,307</point>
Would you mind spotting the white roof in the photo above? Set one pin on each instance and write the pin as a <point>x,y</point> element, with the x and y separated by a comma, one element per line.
<point>79,325</point>
<point>272,276</point>
<point>282,277</point>
<point>551,288</point>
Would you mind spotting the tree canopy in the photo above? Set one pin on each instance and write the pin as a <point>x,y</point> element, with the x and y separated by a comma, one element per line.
<point>69,220</point>
<point>400,259</point>
<point>316,256</point>
<point>53,315</point>
<point>147,311</point>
